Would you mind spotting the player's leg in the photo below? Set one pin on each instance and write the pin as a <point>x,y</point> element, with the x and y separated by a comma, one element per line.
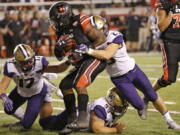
<point>33,108</point>
<point>127,91</point>
<point>142,83</point>
<point>17,112</point>
<point>170,56</point>
<point>87,72</point>
<point>66,86</point>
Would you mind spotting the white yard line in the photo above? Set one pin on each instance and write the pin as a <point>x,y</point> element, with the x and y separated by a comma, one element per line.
<point>130,108</point>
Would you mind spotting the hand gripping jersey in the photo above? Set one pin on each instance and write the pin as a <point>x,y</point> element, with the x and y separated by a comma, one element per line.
<point>29,83</point>
<point>102,110</point>
<point>120,63</point>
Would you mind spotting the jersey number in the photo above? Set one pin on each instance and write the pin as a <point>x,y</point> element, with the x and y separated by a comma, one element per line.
<point>28,81</point>
<point>176,17</point>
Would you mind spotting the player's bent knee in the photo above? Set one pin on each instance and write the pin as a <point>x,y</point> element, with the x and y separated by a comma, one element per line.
<point>46,110</point>
<point>152,96</point>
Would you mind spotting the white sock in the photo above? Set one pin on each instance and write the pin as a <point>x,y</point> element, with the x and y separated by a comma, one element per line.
<point>19,114</point>
<point>167,116</point>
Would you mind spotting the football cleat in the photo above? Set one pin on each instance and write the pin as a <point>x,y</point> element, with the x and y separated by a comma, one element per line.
<point>143,114</point>
<point>173,125</point>
<point>65,131</point>
<point>14,124</point>
<point>81,122</point>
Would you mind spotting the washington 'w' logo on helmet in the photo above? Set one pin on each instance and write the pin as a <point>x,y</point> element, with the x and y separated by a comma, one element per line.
<point>23,52</point>
<point>24,56</point>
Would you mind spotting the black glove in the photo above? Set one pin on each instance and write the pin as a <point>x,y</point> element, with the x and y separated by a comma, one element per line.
<point>58,52</point>
<point>166,5</point>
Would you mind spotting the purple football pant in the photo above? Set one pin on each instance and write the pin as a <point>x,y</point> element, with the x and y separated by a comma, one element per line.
<point>33,105</point>
<point>127,84</point>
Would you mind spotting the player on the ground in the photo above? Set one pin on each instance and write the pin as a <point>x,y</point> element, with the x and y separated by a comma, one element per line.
<point>125,73</point>
<point>26,70</point>
<point>103,115</point>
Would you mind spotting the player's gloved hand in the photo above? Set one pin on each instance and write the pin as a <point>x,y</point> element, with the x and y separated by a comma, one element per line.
<point>58,52</point>
<point>82,48</point>
<point>7,102</point>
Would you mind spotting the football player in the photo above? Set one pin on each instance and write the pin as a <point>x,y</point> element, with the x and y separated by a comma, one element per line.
<point>125,73</point>
<point>168,16</point>
<point>103,115</point>
<point>69,28</point>
<point>26,70</point>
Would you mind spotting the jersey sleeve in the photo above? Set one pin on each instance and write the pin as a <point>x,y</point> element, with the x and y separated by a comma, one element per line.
<point>84,20</point>
<point>115,37</point>
<point>45,63</point>
<point>100,112</point>
<point>118,39</point>
<point>6,72</point>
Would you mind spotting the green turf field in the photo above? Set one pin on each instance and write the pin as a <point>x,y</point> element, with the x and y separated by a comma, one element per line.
<point>155,125</point>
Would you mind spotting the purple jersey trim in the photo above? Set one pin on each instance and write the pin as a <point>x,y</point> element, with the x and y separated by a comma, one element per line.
<point>6,73</point>
<point>100,112</point>
<point>44,62</point>
<point>118,39</point>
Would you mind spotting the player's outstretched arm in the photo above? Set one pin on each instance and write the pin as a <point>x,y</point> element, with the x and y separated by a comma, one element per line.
<point>97,125</point>
<point>4,83</point>
<point>106,54</point>
<point>7,102</point>
<point>61,67</point>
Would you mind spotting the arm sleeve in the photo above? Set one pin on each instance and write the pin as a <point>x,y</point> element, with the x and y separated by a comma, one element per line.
<point>100,112</point>
<point>6,72</point>
<point>44,62</point>
<point>118,39</point>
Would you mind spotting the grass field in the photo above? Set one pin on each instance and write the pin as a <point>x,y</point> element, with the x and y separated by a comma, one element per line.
<point>154,125</point>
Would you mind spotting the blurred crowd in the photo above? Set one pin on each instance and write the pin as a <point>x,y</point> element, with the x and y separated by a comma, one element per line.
<point>30,25</point>
<point>126,3</point>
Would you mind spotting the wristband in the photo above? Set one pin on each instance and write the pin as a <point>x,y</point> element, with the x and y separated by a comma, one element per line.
<point>90,51</point>
<point>3,96</point>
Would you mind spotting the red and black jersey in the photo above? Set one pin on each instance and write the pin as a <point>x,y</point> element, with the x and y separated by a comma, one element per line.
<point>172,33</point>
<point>76,30</point>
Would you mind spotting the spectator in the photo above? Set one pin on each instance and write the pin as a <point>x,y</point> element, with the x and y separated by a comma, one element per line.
<point>16,30</point>
<point>132,33</point>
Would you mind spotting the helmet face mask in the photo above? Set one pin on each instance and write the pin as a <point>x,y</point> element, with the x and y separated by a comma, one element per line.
<point>24,57</point>
<point>118,104</point>
<point>60,14</point>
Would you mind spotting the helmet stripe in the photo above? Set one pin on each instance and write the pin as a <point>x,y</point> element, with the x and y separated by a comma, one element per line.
<point>24,51</point>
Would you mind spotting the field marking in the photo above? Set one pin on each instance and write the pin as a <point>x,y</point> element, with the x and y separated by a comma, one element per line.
<point>129,108</point>
<point>106,76</point>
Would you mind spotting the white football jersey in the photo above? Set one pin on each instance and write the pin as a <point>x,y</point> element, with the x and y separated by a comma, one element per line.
<point>120,63</point>
<point>104,104</point>
<point>29,83</point>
